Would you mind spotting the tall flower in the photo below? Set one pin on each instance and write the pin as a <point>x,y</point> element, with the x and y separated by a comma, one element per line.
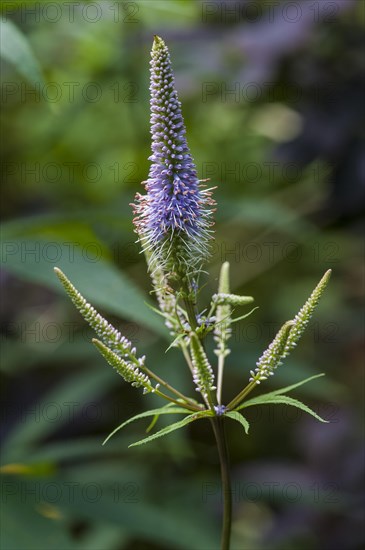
<point>173,219</point>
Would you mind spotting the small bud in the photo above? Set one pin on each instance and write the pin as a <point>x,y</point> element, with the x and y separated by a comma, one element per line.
<point>220,409</point>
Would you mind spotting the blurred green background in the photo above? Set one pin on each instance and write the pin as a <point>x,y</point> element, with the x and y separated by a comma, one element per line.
<point>272,97</point>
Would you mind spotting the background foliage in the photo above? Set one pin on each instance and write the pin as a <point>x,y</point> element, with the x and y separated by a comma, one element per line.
<point>272,98</point>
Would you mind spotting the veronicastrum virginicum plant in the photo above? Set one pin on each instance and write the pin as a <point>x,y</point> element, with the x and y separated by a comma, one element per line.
<point>174,225</point>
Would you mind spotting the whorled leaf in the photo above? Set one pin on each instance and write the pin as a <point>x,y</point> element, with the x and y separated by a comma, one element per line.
<point>167,409</point>
<point>239,418</point>
<point>293,386</point>
<point>173,427</point>
<point>280,400</point>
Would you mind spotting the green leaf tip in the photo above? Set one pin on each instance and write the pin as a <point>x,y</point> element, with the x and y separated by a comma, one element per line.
<point>166,409</point>
<point>172,427</point>
<point>270,399</point>
<point>286,389</point>
<point>239,418</point>
<point>16,49</point>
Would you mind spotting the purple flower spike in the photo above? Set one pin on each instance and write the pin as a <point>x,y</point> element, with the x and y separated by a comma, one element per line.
<point>173,220</point>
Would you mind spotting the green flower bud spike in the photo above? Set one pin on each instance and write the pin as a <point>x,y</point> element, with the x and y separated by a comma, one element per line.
<point>283,343</point>
<point>111,337</point>
<point>271,358</point>
<point>118,350</point>
<point>165,297</point>
<point>303,317</point>
<point>202,371</point>
<point>129,372</point>
<point>224,302</point>
<point>222,331</point>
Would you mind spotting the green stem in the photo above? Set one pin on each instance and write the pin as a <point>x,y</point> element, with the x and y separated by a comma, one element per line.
<point>187,356</point>
<point>166,385</point>
<point>220,378</point>
<point>194,408</point>
<point>190,310</point>
<point>220,437</point>
<point>190,306</point>
<point>246,390</point>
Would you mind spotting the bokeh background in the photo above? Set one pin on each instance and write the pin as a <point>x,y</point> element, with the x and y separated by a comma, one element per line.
<point>272,96</point>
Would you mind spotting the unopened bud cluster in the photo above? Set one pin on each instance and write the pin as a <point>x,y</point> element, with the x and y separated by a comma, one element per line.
<point>116,349</point>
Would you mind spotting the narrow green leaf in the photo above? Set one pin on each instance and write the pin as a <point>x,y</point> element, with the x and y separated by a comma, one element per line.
<point>167,409</point>
<point>293,386</point>
<point>244,316</point>
<point>175,341</point>
<point>173,427</point>
<point>157,310</point>
<point>15,49</point>
<point>239,418</point>
<point>280,391</point>
<point>280,400</point>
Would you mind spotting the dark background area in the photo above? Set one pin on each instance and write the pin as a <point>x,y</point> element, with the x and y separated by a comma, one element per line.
<point>272,96</point>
